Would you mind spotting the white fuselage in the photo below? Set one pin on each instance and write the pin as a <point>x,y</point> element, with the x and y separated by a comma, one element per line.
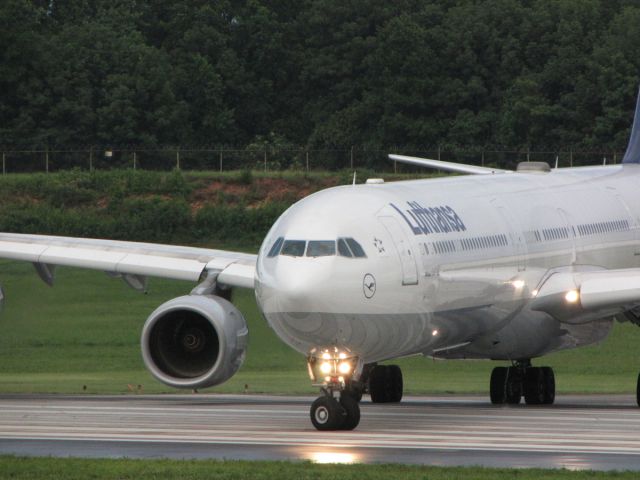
<point>451,263</point>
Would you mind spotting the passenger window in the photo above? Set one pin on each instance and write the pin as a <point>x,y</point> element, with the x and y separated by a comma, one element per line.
<point>321,248</point>
<point>343,248</point>
<point>355,247</point>
<point>275,249</point>
<point>293,248</point>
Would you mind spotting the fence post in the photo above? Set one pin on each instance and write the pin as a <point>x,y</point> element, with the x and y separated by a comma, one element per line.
<point>351,157</point>
<point>438,152</point>
<point>307,161</point>
<point>46,160</point>
<point>220,160</point>
<point>265,159</point>
<point>135,166</point>
<point>482,158</point>
<point>178,158</point>
<point>91,159</point>
<point>4,163</point>
<point>571,157</point>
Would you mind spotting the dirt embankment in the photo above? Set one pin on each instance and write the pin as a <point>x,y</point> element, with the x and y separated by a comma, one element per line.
<point>257,192</point>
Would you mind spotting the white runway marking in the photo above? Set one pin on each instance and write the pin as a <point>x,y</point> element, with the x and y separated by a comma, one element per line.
<point>280,428</point>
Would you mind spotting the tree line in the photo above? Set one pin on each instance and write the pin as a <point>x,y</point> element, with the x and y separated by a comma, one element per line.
<point>319,73</point>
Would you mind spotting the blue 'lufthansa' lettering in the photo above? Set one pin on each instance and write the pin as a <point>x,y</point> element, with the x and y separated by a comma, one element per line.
<point>426,220</point>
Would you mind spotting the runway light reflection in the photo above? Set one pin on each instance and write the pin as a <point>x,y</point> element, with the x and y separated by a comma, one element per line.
<point>333,457</point>
<point>568,462</point>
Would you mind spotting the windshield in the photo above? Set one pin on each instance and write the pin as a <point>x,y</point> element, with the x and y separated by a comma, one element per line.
<point>293,248</point>
<point>321,248</point>
<point>343,246</point>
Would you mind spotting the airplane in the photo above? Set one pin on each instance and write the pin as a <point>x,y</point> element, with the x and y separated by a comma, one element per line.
<point>495,264</point>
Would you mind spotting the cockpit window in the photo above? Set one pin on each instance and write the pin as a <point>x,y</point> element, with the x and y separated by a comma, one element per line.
<point>293,248</point>
<point>343,249</point>
<point>346,247</point>
<point>275,249</point>
<point>321,248</point>
<point>355,247</point>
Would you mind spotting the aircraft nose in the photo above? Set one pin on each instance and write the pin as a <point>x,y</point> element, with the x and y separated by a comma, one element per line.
<point>295,285</point>
<point>300,289</point>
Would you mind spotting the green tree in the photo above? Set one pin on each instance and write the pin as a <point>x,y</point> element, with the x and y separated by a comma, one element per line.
<point>24,98</point>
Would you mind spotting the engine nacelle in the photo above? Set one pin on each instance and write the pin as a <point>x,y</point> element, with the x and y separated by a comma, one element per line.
<point>195,341</point>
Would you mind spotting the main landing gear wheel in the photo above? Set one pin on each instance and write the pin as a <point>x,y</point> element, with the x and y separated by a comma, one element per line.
<point>539,386</point>
<point>505,386</point>
<point>536,384</point>
<point>385,384</point>
<point>327,413</point>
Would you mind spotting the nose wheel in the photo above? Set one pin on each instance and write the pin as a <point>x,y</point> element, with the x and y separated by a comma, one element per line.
<point>337,371</point>
<point>329,413</point>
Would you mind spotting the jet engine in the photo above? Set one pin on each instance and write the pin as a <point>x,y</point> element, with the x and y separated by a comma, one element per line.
<point>194,341</point>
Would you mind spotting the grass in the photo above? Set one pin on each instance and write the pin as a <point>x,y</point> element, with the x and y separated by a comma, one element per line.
<point>58,468</point>
<point>82,336</point>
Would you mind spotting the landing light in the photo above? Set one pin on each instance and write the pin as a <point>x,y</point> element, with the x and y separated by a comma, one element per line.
<point>344,368</point>
<point>435,333</point>
<point>518,284</point>
<point>326,367</point>
<point>572,296</point>
<point>333,365</point>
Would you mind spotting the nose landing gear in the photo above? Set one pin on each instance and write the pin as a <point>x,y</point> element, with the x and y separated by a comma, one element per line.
<point>337,373</point>
<point>343,378</point>
<point>509,384</point>
<point>329,413</point>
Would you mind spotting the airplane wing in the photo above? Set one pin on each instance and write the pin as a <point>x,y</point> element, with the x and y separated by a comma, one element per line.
<point>131,260</point>
<point>447,166</point>
<point>573,297</point>
<point>580,297</point>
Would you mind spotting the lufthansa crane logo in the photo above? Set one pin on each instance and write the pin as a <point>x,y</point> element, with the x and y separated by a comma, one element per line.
<point>369,285</point>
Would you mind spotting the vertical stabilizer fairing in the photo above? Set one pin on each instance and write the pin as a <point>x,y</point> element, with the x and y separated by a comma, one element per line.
<point>632,154</point>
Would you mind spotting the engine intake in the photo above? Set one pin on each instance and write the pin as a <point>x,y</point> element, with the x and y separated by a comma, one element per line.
<point>194,341</point>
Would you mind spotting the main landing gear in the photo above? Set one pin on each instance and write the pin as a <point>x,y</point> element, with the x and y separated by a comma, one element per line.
<point>343,379</point>
<point>537,384</point>
<point>385,383</point>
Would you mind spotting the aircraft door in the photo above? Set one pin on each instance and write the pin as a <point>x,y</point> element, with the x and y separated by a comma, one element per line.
<point>635,227</point>
<point>573,236</point>
<point>515,233</point>
<point>403,247</point>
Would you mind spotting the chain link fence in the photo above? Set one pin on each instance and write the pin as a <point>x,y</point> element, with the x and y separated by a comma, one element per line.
<point>274,158</point>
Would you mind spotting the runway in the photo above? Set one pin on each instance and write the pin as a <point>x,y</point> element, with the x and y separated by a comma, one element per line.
<point>579,432</point>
